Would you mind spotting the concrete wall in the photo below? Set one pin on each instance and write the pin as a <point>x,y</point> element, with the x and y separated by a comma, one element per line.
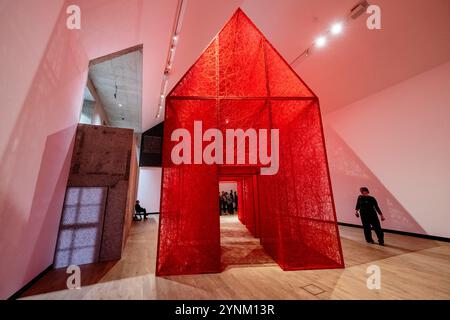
<point>87,112</point>
<point>396,143</point>
<point>99,116</point>
<point>43,74</point>
<point>102,157</point>
<point>132,191</point>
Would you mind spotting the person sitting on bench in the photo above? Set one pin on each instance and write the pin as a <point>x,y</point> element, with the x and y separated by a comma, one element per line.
<point>139,210</point>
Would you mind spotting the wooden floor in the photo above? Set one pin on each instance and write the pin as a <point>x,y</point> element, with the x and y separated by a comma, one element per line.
<point>411,268</point>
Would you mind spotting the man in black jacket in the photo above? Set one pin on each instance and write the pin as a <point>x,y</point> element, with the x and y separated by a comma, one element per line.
<point>367,207</point>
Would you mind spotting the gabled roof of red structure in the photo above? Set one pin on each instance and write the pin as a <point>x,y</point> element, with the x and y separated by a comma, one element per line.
<point>240,63</point>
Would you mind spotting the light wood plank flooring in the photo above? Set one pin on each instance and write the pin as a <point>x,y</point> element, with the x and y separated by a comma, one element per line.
<point>411,268</point>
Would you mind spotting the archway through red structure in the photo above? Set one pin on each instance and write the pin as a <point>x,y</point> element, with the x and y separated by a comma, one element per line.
<point>241,82</point>
<point>246,178</point>
<point>239,231</point>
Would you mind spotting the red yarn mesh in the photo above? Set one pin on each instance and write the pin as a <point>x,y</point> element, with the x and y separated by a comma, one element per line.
<point>240,81</point>
<point>298,199</point>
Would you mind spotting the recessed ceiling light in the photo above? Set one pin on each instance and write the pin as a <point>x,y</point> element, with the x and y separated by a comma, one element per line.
<point>321,41</point>
<point>336,28</point>
<point>120,105</point>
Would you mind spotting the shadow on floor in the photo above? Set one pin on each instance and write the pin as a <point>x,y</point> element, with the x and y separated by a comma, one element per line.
<point>138,259</point>
<point>352,240</point>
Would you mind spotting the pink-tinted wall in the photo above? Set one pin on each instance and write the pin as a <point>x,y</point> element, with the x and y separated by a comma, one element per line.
<point>43,73</point>
<point>43,70</point>
<point>396,143</point>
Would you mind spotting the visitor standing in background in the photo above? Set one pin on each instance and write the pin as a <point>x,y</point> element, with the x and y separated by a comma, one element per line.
<point>232,201</point>
<point>230,204</point>
<point>367,207</point>
<point>224,201</point>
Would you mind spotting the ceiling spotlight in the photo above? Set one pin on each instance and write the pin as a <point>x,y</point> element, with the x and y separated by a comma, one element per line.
<point>162,96</point>
<point>175,38</point>
<point>321,41</point>
<point>336,28</point>
<point>120,105</point>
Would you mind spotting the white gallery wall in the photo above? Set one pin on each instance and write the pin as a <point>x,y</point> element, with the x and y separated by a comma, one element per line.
<point>149,188</point>
<point>397,143</point>
<point>227,186</point>
<point>42,99</point>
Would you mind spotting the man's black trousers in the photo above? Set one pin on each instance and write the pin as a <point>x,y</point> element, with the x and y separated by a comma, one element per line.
<point>370,220</point>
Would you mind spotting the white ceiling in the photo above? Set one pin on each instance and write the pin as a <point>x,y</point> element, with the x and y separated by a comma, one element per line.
<point>124,110</point>
<point>415,37</point>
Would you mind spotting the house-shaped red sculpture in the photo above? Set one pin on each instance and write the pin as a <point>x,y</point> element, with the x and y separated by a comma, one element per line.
<point>241,81</point>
